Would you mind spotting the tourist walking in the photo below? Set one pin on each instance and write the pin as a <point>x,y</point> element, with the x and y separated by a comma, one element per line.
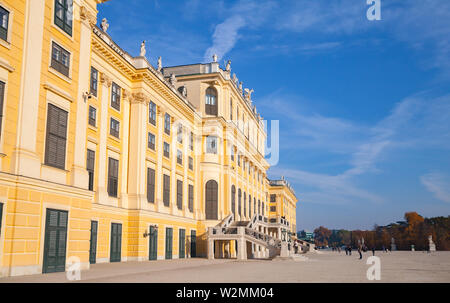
<point>350,250</point>
<point>373,250</point>
<point>360,254</point>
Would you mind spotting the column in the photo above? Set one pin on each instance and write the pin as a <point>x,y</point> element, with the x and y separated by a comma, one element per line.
<point>102,195</point>
<point>159,148</point>
<point>79,174</point>
<point>137,179</point>
<point>25,161</point>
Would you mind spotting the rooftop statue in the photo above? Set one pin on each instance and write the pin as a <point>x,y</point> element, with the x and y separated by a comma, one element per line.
<point>105,25</point>
<point>173,80</point>
<point>159,64</point>
<point>248,94</point>
<point>143,50</point>
<point>214,58</point>
<point>240,86</point>
<point>234,78</point>
<point>228,66</point>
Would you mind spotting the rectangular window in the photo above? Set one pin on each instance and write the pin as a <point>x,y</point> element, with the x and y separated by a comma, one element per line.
<point>55,150</point>
<point>273,208</point>
<point>92,116</point>
<point>60,59</point>
<point>180,194</point>
<point>115,96</point>
<point>166,150</point>
<point>273,198</point>
<point>180,134</point>
<point>2,97</point>
<point>150,185</point>
<point>191,198</point>
<point>90,167</point>
<point>191,141</point>
<point>191,163</point>
<point>232,153</point>
<point>166,190</point>
<point>113,177</point>
<point>151,141</point>
<point>152,113</point>
<point>94,81</point>
<point>115,128</point>
<point>180,157</point>
<point>211,145</point>
<point>167,124</point>
<point>64,15</point>
<point>4,23</point>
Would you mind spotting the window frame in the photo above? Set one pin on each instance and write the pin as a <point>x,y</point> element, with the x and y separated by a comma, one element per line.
<point>93,87</point>
<point>116,91</point>
<point>150,144</point>
<point>152,113</point>
<point>67,6</point>
<point>90,155</point>
<point>209,148</point>
<point>5,31</point>
<point>113,132</point>
<point>58,64</point>
<point>167,123</point>
<point>166,152</point>
<point>90,119</point>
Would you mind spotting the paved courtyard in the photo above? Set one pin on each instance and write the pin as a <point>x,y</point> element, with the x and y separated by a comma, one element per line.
<point>318,267</point>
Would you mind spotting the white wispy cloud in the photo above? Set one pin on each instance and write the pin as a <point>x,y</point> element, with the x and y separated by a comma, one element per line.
<point>245,13</point>
<point>416,123</point>
<point>438,184</point>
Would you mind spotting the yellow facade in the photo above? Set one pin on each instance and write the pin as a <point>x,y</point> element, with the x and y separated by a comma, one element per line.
<point>37,175</point>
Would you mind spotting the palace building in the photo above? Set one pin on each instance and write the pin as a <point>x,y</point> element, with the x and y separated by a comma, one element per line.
<point>105,158</point>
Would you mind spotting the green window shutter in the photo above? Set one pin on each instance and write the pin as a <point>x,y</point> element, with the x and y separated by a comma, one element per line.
<point>150,185</point>
<point>180,194</point>
<point>182,243</point>
<point>56,137</point>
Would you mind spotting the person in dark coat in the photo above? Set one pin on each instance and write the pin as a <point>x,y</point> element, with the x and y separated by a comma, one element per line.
<point>373,250</point>
<point>360,254</point>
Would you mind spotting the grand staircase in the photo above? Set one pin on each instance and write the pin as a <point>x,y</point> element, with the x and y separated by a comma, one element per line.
<point>229,229</point>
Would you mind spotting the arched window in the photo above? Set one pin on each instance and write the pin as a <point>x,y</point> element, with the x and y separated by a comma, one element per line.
<point>239,201</point>
<point>211,207</point>
<point>233,199</point>
<point>211,101</point>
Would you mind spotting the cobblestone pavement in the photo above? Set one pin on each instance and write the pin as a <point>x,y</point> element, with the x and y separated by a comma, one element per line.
<point>316,267</point>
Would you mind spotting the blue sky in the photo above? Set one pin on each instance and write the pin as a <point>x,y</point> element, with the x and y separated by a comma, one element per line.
<point>364,106</point>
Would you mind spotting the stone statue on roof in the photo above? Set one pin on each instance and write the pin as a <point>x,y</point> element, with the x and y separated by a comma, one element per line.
<point>240,86</point>
<point>234,78</point>
<point>214,58</point>
<point>173,80</point>
<point>143,50</point>
<point>105,25</point>
<point>248,94</point>
<point>159,64</point>
<point>228,66</point>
